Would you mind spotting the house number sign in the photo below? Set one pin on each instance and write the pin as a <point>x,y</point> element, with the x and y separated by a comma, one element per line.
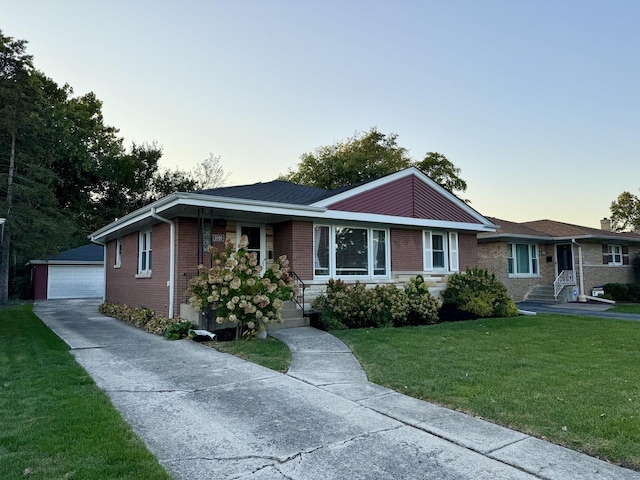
<point>217,237</point>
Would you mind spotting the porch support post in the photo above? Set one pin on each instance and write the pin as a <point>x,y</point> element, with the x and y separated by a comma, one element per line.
<point>581,297</point>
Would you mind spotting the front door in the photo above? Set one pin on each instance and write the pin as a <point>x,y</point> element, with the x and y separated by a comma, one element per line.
<point>256,241</point>
<point>564,254</point>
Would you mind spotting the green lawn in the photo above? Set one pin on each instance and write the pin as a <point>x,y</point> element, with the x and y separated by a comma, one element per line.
<point>625,308</point>
<point>572,380</point>
<point>55,422</point>
<point>270,353</point>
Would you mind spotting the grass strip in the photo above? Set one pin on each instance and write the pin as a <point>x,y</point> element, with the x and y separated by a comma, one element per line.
<point>570,379</point>
<point>56,423</point>
<point>270,353</point>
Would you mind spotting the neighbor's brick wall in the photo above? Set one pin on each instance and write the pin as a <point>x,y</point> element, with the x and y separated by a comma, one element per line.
<point>597,274</point>
<point>295,240</point>
<point>122,284</point>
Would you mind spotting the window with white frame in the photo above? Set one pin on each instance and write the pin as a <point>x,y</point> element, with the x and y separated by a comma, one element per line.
<point>522,259</point>
<point>440,251</point>
<point>345,251</point>
<point>614,253</point>
<point>144,253</point>
<point>118,258</point>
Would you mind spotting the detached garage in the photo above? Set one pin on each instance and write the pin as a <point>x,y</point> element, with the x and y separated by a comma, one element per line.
<point>76,273</point>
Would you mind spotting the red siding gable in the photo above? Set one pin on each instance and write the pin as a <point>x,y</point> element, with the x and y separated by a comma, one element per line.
<point>406,197</point>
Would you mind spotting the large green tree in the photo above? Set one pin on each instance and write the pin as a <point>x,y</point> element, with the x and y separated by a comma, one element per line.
<point>625,212</point>
<point>63,171</point>
<point>366,156</point>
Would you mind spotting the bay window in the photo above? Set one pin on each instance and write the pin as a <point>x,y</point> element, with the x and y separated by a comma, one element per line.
<point>345,251</point>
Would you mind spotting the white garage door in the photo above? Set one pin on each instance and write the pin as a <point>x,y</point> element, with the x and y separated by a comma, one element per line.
<point>75,281</point>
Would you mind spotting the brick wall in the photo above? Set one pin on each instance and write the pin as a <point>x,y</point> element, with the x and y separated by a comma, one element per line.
<point>406,250</point>
<point>295,240</point>
<point>122,284</point>
<point>467,251</point>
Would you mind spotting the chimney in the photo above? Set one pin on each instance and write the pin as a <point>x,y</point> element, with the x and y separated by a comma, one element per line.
<point>605,224</point>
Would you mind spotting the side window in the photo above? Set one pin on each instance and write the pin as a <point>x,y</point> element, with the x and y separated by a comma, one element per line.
<point>144,253</point>
<point>118,259</point>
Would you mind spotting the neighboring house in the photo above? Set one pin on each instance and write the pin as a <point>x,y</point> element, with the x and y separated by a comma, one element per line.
<point>545,258</point>
<point>75,273</point>
<point>382,231</point>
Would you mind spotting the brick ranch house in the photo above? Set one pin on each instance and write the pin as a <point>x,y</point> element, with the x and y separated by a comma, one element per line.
<point>552,261</point>
<point>382,231</point>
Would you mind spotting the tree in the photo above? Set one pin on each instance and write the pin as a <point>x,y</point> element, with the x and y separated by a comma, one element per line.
<point>625,212</point>
<point>367,156</point>
<point>209,173</point>
<point>33,222</point>
<point>442,171</point>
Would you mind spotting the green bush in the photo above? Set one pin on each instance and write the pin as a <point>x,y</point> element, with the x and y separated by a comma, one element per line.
<point>147,320</point>
<point>623,292</point>
<point>355,306</point>
<point>479,293</point>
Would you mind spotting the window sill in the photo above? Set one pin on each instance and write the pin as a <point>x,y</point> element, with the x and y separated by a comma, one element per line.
<point>524,275</point>
<point>146,274</point>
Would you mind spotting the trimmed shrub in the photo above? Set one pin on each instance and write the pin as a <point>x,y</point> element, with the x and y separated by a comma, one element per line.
<point>479,293</point>
<point>355,306</point>
<point>147,320</point>
<point>623,292</point>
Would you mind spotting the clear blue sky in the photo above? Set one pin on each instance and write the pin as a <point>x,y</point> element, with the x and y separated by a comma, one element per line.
<point>536,101</point>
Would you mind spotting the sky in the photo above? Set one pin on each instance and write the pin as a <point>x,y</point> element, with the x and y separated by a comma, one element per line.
<point>536,101</point>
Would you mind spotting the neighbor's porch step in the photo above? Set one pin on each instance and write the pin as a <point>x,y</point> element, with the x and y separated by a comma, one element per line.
<point>542,294</point>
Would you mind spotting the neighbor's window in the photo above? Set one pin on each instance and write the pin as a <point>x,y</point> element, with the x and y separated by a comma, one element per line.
<point>614,253</point>
<point>144,253</point>
<point>118,258</point>
<point>522,259</point>
<point>343,251</point>
<point>440,251</point>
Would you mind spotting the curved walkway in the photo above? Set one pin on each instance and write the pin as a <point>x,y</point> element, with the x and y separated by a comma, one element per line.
<point>205,414</point>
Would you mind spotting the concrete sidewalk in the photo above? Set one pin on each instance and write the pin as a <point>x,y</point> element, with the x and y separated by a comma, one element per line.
<point>206,414</point>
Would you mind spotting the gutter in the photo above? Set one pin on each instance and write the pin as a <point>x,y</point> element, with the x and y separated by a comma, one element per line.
<point>104,260</point>
<point>172,257</point>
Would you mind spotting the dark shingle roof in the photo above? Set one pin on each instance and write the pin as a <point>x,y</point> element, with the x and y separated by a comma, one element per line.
<point>277,191</point>
<point>87,253</point>
<point>553,229</point>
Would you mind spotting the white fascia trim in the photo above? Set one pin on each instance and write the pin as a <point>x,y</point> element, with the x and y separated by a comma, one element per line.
<point>240,204</point>
<point>208,201</point>
<point>396,176</point>
<point>67,262</point>
<point>332,215</point>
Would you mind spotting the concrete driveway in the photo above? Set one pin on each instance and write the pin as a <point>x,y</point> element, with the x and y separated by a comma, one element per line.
<point>208,415</point>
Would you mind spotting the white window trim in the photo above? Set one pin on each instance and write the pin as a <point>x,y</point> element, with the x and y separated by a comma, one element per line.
<point>451,251</point>
<point>146,253</point>
<point>370,275</point>
<point>263,242</point>
<point>118,259</point>
<point>532,255</point>
<point>612,255</point>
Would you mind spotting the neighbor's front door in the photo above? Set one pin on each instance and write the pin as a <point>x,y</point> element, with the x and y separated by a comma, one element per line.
<point>564,254</point>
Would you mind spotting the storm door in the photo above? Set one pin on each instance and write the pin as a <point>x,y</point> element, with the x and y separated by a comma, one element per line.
<point>564,254</point>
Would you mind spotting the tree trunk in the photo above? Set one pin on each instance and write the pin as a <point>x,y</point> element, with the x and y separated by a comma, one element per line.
<point>4,229</point>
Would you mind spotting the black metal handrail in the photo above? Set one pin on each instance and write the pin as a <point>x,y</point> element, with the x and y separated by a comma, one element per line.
<point>299,298</point>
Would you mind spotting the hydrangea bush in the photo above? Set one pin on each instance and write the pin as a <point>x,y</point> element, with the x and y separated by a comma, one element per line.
<point>235,288</point>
